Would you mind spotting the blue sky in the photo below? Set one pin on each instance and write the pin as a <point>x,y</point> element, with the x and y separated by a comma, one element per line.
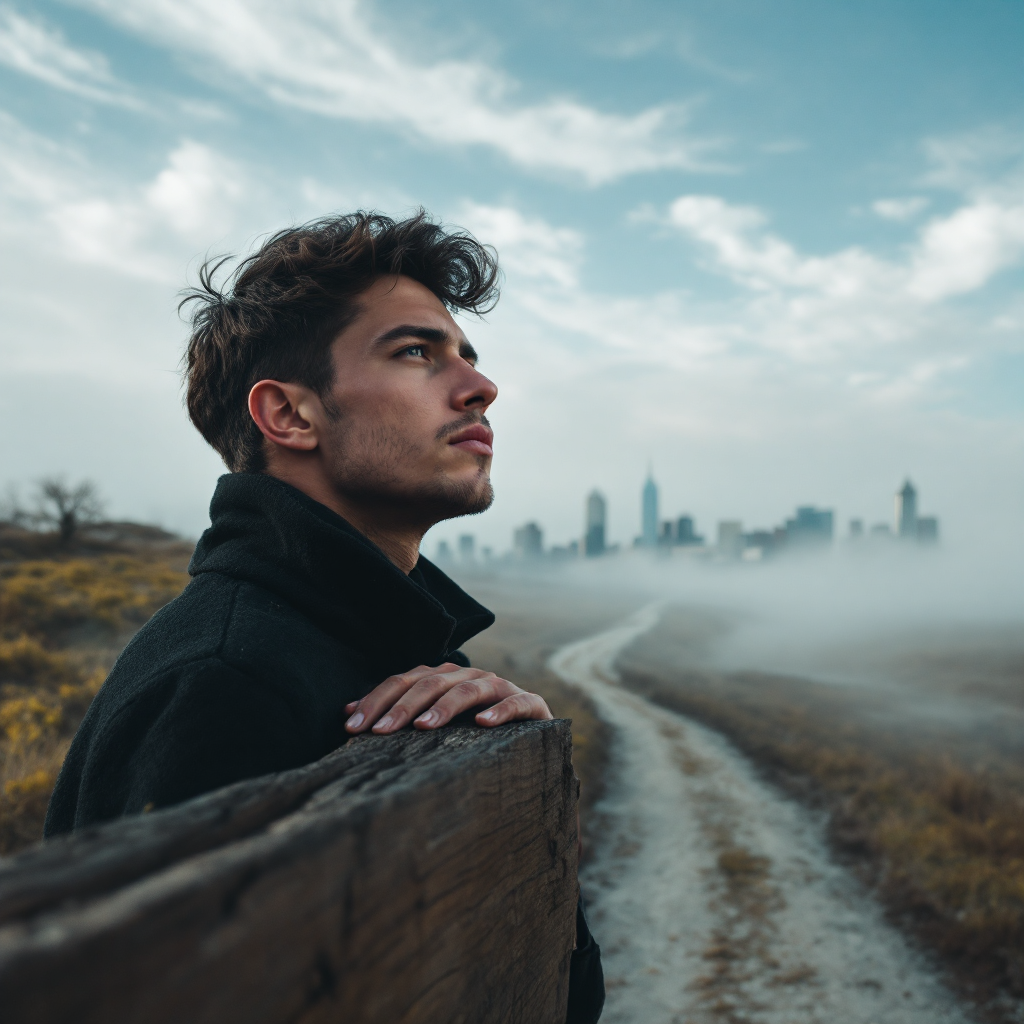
<point>772,248</point>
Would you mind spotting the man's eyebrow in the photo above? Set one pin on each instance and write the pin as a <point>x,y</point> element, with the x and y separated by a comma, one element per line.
<point>413,331</point>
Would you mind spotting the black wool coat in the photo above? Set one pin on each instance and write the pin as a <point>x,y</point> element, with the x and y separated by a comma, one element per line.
<point>290,615</point>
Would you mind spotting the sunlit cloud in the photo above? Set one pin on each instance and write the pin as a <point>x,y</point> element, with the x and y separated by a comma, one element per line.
<point>329,59</point>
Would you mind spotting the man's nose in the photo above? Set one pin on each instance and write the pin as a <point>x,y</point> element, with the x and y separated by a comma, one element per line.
<point>475,392</point>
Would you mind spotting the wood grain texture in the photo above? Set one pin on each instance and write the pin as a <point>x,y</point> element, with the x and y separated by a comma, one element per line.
<point>422,877</point>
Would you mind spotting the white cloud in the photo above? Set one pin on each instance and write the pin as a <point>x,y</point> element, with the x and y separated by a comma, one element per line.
<point>962,252</point>
<point>527,246</point>
<point>328,59</point>
<point>144,231</point>
<point>36,50</point>
<point>853,297</point>
<point>764,261</point>
<point>899,209</point>
<point>151,231</point>
<point>196,192</point>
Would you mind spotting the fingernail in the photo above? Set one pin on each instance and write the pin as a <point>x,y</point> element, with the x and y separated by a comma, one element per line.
<point>384,722</point>
<point>355,721</point>
<point>427,718</point>
<point>487,714</point>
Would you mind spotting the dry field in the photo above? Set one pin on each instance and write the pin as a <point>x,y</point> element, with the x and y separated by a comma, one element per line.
<point>919,760</point>
<point>64,616</point>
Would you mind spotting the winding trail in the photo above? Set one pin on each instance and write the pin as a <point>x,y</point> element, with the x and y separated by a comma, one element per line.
<point>714,897</point>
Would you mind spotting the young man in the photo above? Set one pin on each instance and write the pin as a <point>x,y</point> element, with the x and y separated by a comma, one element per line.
<point>346,402</point>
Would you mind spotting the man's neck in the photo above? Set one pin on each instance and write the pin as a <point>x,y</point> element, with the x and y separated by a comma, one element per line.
<point>400,542</point>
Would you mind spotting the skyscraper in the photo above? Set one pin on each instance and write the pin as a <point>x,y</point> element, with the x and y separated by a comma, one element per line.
<point>686,535</point>
<point>649,513</point>
<point>906,511</point>
<point>594,541</point>
<point>528,541</point>
<point>810,525</point>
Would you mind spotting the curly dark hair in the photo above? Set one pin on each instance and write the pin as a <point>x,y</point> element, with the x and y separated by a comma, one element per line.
<point>276,314</point>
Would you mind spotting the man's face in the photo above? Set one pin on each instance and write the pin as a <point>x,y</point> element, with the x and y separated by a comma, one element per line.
<point>407,433</point>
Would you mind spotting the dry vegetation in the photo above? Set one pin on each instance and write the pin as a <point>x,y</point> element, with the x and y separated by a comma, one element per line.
<point>939,833</point>
<point>63,619</point>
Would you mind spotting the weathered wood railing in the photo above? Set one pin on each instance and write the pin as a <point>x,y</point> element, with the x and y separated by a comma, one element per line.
<point>419,877</point>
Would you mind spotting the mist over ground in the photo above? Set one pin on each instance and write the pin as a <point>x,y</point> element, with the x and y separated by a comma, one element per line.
<point>778,613</point>
<point>931,636</point>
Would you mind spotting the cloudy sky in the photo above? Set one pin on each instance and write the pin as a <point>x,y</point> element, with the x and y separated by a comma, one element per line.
<point>772,249</point>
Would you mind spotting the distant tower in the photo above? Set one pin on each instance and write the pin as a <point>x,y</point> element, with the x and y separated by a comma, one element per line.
<point>906,511</point>
<point>686,535</point>
<point>528,541</point>
<point>594,541</point>
<point>649,512</point>
<point>467,549</point>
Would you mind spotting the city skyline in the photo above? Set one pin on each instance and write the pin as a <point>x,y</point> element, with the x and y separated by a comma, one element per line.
<point>809,527</point>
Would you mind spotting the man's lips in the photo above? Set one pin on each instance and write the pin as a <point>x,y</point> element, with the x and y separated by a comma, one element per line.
<point>476,439</point>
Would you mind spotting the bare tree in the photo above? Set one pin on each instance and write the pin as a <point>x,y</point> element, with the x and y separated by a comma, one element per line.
<point>67,508</point>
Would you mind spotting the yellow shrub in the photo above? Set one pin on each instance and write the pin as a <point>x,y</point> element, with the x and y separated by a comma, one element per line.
<point>43,596</point>
<point>40,781</point>
<point>27,720</point>
<point>24,659</point>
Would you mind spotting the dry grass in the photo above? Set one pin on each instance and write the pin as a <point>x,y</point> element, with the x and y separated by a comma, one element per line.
<point>943,839</point>
<point>62,622</point>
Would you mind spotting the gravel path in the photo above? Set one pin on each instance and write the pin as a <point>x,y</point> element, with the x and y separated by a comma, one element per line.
<point>713,897</point>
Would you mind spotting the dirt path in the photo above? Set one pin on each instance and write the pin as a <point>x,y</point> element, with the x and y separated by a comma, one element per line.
<point>713,897</point>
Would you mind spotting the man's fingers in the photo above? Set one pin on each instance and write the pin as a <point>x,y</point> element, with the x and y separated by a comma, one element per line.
<point>365,712</point>
<point>485,688</point>
<point>520,707</point>
<point>432,697</point>
<point>446,694</point>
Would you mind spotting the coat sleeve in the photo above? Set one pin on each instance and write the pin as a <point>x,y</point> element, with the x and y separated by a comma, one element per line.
<point>204,726</point>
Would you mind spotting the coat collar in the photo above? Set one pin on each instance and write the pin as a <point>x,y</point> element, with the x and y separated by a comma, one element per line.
<point>268,533</point>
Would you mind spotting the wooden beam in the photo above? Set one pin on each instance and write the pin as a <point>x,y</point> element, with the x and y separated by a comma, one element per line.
<point>418,877</point>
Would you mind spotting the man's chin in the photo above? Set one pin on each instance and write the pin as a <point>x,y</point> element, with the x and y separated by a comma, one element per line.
<point>457,498</point>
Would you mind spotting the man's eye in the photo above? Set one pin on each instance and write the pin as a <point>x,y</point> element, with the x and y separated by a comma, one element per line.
<point>414,350</point>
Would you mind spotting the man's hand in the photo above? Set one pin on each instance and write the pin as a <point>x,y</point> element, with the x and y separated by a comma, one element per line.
<point>432,697</point>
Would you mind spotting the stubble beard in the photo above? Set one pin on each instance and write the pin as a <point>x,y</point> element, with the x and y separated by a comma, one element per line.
<point>366,471</point>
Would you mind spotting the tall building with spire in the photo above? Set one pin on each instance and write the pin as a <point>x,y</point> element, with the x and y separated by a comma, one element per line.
<point>594,540</point>
<point>905,523</point>
<point>649,512</point>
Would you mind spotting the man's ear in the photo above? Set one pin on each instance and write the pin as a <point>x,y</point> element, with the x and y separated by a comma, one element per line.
<point>286,414</point>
